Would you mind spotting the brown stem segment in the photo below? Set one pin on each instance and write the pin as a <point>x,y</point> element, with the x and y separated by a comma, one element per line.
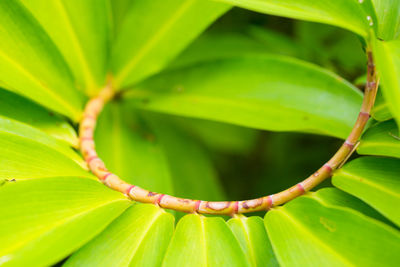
<point>97,166</point>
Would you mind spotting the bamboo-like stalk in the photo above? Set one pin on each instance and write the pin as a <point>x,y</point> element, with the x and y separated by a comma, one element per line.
<point>97,166</point>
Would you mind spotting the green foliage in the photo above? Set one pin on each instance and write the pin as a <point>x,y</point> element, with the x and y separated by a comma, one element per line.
<point>191,107</point>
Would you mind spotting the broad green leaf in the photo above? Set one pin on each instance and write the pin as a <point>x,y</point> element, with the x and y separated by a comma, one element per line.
<point>44,220</point>
<point>203,241</point>
<point>251,234</point>
<point>31,65</point>
<point>24,157</point>
<point>81,31</point>
<point>130,150</point>
<point>264,92</point>
<point>375,181</point>
<point>21,109</point>
<point>388,13</point>
<point>347,14</point>
<point>380,111</point>
<point>154,32</point>
<point>188,162</point>
<point>381,139</point>
<point>139,237</point>
<point>309,232</point>
<point>336,197</point>
<point>13,127</point>
<point>218,45</point>
<point>387,57</point>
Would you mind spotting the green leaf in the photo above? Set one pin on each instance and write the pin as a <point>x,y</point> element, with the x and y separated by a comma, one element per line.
<point>163,28</point>
<point>251,234</point>
<point>380,111</point>
<point>347,14</point>
<point>81,31</point>
<point>388,13</point>
<point>16,128</point>
<point>24,157</point>
<point>44,220</point>
<point>188,162</point>
<point>264,92</point>
<point>381,139</point>
<point>375,181</point>
<point>309,232</point>
<point>21,109</point>
<point>31,64</point>
<point>202,241</point>
<point>139,237</point>
<point>387,57</point>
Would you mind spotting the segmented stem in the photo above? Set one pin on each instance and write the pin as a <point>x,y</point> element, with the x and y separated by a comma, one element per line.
<point>98,168</point>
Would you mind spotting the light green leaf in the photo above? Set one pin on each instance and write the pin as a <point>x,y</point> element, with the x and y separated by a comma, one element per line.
<point>25,131</point>
<point>81,30</point>
<point>253,239</point>
<point>31,65</point>
<point>139,237</point>
<point>380,111</point>
<point>154,32</point>
<point>24,157</point>
<point>309,232</point>
<point>265,92</point>
<point>387,57</point>
<point>347,14</point>
<point>44,220</point>
<point>388,13</point>
<point>375,181</point>
<point>21,109</point>
<point>381,139</point>
<point>202,241</point>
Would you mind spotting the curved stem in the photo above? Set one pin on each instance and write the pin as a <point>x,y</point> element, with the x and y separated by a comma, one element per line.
<point>97,166</point>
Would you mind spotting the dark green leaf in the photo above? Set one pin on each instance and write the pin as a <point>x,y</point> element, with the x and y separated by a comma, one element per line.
<point>265,92</point>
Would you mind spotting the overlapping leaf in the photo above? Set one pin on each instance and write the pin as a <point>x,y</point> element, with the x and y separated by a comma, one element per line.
<point>31,65</point>
<point>251,234</point>
<point>309,231</point>
<point>387,57</point>
<point>44,220</point>
<point>202,241</point>
<point>139,237</point>
<point>381,139</point>
<point>162,29</point>
<point>21,109</point>
<point>81,31</point>
<point>380,111</point>
<point>375,181</point>
<point>388,15</point>
<point>350,15</point>
<point>247,90</point>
